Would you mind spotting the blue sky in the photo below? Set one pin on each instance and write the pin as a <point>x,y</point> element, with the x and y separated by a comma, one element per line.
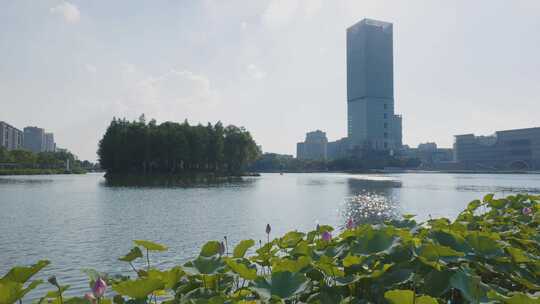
<point>276,67</point>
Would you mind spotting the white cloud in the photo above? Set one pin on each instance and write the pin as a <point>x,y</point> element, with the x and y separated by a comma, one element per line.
<point>90,68</point>
<point>279,13</point>
<point>256,72</point>
<point>312,7</point>
<point>243,25</point>
<point>175,95</point>
<point>69,11</point>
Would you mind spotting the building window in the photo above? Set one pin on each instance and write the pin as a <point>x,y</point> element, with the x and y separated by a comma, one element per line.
<point>385,106</point>
<point>385,115</point>
<point>385,135</point>
<point>386,125</point>
<point>386,145</point>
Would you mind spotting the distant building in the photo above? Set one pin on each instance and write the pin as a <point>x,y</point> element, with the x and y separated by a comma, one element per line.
<point>34,139</point>
<point>505,150</point>
<point>11,138</point>
<point>371,121</point>
<point>50,145</point>
<point>314,147</point>
<point>429,155</point>
<point>338,149</point>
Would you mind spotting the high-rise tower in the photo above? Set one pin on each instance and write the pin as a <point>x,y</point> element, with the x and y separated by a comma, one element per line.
<point>371,123</point>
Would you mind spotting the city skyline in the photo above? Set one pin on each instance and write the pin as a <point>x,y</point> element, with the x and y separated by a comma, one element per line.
<point>275,67</point>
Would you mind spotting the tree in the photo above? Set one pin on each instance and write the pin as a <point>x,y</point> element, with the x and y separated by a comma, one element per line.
<point>140,148</point>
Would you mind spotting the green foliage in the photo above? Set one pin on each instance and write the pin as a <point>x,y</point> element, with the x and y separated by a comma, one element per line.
<point>150,245</point>
<point>23,162</point>
<point>489,254</point>
<point>171,148</point>
<point>272,162</point>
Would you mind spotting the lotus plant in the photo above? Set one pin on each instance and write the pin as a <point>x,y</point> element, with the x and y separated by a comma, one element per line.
<point>98,291</point>
<point>350,224</point>
<point>326,236</point>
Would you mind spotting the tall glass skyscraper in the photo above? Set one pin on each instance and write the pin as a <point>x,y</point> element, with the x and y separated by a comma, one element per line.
<point>372,123</point>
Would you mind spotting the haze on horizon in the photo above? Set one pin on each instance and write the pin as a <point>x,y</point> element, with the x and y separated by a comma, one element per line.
<point>276,67</point>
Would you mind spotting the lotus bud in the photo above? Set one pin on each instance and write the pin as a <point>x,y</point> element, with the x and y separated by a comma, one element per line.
<point>100,286</point>
<point>221,248</point>
<point>350,224</point>
<point>326,236</point>
<point>53,281</point>
<point>268,229</point>
<point>527,211</point>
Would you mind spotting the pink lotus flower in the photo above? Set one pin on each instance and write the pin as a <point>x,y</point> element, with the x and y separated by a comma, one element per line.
<point>99,288</point>
<point>350,224</point>
<point>268,229</point>
<point>90,297</point>
<point>527,211</point>
<point>326,236</point>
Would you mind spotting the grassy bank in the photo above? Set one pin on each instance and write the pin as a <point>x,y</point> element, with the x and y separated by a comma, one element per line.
<point>488,254</point>
<point>39,171</point>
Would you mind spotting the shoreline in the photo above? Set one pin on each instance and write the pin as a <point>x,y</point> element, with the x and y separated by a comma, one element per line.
<point>19,172</point>
<point>409,171</point>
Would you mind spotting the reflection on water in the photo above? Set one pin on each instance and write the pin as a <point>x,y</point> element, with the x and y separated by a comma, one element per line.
<point>371,200</point>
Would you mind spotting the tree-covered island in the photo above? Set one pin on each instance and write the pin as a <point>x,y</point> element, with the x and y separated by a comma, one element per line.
<point>138,148</point>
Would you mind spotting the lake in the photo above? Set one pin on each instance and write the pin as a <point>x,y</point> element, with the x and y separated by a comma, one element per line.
<point>78,222</point>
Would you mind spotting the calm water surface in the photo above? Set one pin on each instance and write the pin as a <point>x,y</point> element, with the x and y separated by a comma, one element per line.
<point>77,222</point>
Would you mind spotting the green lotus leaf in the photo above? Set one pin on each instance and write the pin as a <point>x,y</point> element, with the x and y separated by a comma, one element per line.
<point>484,244</point>
<point>22,274</point>
<point>351,260</point>
<point>210,248</point>
<point>138,289</point>
<point>378,272</point>
<point>514,298</point>
<point>396,276</point>
<point>470,285</point>
<point>450,239</point>
<point>399,296</point>
<point>291,265</point>
<point>425,300</point>
<point>281,285</point>
<point>290,239</point>
<point>302,248</point>
<point>241,249</point>
<point>201,295</point>
<point>242,270</point>
<point>327,266</point>
<point>169,277</point>
<point>133,254</point>
<point>374,240</point>
<point>205,265</point>
<point>437,283</point>
<point>488,198</point>
<point>518,255</point>
<point>432,254</point>
<point>151,246</point>
<point>11,292</point>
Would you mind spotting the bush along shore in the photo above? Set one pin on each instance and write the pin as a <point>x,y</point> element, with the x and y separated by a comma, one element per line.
<point>488,254</point>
